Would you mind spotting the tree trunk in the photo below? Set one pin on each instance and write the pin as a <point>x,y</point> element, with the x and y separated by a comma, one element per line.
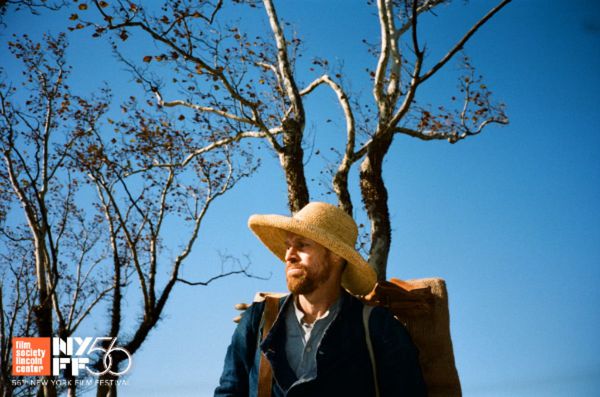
<point>6,390</point>
<point>375,198</point>
<point>43,317</point>
<point>340,187</point>
<point>63,334</point>
<point>107,387</point>
<point>292,162</point>
<point>43,311</point>
<point>71,386</point>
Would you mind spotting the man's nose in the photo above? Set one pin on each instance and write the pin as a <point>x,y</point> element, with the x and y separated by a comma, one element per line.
<point>291,255</point>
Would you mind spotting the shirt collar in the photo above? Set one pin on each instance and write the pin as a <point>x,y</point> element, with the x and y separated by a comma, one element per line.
<point>332,309</point>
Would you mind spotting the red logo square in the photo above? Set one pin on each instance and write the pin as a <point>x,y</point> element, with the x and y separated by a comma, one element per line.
<point>31,356</point>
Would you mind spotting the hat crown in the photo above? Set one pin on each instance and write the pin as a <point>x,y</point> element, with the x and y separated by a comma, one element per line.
<point>327,225</point>
<point>330,219</point>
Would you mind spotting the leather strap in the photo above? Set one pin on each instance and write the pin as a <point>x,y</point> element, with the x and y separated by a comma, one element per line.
<point>265,372</point>
<point>366,314</point>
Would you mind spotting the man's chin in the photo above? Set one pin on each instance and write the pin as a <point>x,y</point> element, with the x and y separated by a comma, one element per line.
<point>299,285</point>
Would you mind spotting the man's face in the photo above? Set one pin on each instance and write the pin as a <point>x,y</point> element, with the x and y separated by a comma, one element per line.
<point>307,264</point>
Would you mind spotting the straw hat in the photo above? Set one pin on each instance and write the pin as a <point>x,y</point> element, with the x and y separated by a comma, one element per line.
<point>329,226</point>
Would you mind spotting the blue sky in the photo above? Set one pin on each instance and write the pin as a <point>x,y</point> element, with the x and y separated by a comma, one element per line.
<point>510,219</point>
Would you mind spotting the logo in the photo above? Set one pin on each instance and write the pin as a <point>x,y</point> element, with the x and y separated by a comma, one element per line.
<point>32,356</point>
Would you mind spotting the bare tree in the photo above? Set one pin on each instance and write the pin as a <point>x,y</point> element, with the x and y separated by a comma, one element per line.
<point>250,83</point>
<point>17,298</point>
<point>166,161</point>
<point>59,150</point>
<point>146,189</point>
<point>41,121</point>
<point>395,91</point>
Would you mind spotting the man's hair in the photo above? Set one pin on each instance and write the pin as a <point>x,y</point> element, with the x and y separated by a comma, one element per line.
<point>344,264</point>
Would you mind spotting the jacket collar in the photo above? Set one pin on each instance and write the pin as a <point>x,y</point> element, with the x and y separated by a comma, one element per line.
<point>332,344</point>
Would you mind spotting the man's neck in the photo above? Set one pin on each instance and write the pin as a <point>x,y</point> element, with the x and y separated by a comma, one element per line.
<point>315,304</point>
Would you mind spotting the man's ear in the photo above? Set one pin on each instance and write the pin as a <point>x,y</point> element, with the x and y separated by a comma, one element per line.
<point>337,260</point>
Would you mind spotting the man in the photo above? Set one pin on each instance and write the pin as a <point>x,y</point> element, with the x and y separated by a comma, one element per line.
<point>317,345</point>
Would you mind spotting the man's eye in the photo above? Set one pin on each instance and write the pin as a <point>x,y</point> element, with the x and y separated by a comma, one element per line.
<point>296,245</point>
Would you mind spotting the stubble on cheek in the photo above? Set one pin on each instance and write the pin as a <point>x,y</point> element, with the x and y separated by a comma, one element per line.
<point>296,279</point>
<point>304,281</point>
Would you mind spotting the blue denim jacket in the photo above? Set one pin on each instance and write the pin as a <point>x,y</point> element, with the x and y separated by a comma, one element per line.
<point>343,363</point>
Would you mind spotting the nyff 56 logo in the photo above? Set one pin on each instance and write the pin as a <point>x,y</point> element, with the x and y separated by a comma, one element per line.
<point>31,356</point>
<point>77,351</point>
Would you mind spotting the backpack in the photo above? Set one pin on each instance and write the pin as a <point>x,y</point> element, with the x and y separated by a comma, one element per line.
<point>420,305</point>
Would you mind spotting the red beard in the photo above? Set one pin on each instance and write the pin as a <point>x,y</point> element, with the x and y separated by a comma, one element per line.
<point>307,280</point>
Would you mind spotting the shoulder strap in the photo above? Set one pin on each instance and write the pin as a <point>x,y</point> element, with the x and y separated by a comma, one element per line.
<point>265,372</point>
<point>366,314</point>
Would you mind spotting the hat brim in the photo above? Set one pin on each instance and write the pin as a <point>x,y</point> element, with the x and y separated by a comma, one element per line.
<point>358,277</point>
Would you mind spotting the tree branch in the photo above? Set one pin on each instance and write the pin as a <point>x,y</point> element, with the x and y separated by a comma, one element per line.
<point>217,144</point>
<point>155,234</point>
<point>283,63</point>
<point>87,311</point>
<point>340,180</point>
<point>210,280</point>
<point>458,46</point>
<point>203,109</point>
<point>384,53</point>
<point>393,88</point>
<point>426,6</point>
<point>187,55</point>
<point>102,187</point>
<point>415,80</point>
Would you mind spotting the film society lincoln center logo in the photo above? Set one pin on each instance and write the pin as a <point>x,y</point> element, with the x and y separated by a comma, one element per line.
<point>53,356</point>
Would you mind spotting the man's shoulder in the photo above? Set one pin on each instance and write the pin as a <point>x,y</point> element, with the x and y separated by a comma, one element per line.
<point>251,317</point>
<point>379,312</point>
<point>384,325</point>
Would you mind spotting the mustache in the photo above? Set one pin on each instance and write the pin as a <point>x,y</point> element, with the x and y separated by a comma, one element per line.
<point>291,267</point>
